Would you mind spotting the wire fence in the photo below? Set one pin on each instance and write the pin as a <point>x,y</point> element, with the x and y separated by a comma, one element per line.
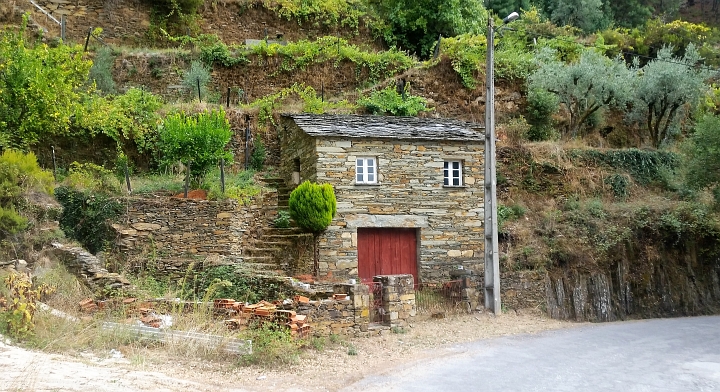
<point>445,297</point>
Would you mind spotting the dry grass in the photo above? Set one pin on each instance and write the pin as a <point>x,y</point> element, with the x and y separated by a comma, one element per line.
<point>79,332</point>
<point>7,10</point>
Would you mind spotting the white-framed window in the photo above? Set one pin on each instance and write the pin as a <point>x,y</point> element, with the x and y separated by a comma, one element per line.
<point>366,170</point>
<point>452,173</point>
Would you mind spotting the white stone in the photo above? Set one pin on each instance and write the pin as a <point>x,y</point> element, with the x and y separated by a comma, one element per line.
<point>343,143</point>
<point>453,253</point>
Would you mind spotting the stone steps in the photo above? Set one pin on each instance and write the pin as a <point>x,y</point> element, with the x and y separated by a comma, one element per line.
<point>274,249</point>
<point>274,182</point>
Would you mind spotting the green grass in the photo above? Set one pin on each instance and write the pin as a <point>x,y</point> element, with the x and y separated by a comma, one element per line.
<point>154,183</point>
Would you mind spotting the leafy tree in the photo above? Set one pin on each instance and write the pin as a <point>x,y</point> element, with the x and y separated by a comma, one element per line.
<point>199,139</point>
<point>703,153</point>
<point>664,86</point>
<point>583,87</point>
<point>503,8</point>
<point>629,13</point>
<point>586,14</point>
<point>415,25</point>
<point>40,89</point>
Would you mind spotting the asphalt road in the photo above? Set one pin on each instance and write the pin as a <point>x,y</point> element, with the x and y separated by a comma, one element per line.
<point>681,354</point>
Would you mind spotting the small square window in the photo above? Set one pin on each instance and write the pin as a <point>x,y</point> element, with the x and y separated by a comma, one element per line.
<point>452,173</point>
<point>365,171</point>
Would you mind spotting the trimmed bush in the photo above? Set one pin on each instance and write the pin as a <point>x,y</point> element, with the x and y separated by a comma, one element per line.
<point>313,206</point>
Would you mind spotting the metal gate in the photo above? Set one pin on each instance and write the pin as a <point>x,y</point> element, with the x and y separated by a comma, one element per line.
<point>376,302</point>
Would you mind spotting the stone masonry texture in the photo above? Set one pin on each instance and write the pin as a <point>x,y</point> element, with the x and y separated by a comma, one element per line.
<point>409,192</point>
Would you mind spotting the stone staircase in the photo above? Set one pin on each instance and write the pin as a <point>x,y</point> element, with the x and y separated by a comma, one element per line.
<point>279,251</point>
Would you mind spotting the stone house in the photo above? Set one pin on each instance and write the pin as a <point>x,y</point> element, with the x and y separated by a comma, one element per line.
<point>409,192</point>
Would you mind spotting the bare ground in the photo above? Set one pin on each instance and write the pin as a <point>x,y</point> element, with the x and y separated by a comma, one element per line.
<point>326,370</point>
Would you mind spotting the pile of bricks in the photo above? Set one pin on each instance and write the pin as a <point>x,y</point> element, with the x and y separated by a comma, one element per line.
<point>242,314</point>
<point>133,308</point>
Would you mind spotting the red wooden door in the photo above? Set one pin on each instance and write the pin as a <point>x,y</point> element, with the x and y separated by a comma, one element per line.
<point>386,251</point>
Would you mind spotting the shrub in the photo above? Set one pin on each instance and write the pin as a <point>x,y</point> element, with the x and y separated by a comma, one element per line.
<point>87,217</point>
<point>257,158</point>
<point>11,222</point>
<point>101,71</point>
<point>508,213</point>
<point>541,105</point>
<point>23,298</point>
<point>272,346</point>
<point>703,153</point>
<point>313,206</point>
<point>389,101</point>
<point>19,173</point>
<point>328,12</point>
<point>283,220</point>
<point>92,177</point>
<point>197,76</point>
<point>243,286</point>
<point>140,107</point>
<point>177,13</point>
<point>218,52</point>
<point>311,102</point>
<point>199,139</point>
<point>619,185</point>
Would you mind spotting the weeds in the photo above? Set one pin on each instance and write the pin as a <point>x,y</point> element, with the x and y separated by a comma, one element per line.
<point>18,317</point>
<point>271,346</point>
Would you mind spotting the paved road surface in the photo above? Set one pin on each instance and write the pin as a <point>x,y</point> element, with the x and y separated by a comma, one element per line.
<point>681,354</point>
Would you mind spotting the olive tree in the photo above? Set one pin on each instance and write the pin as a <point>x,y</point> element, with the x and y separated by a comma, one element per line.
<point>585,86</point>
<point>664,86</point>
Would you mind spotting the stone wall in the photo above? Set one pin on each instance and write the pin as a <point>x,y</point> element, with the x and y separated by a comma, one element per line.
<point>340,317</point>
<point>410,193</point>
<point>518,289</point>
<point>175,231</point>
<point>523,290</point>
<point>398,299</point>
<point>351,316</point>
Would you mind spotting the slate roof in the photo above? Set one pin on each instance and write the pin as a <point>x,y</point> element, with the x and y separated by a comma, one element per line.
<point>386,127</point>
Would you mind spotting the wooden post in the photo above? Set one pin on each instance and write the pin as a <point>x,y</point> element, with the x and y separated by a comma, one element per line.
<point>54,163</point>
<point>228,98</point>
<point>87,40</point>
<point>127,178</point>
<point>222,175</point>
<point>187,179</point>
<point>62,27</point>
<point>198,86</point>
